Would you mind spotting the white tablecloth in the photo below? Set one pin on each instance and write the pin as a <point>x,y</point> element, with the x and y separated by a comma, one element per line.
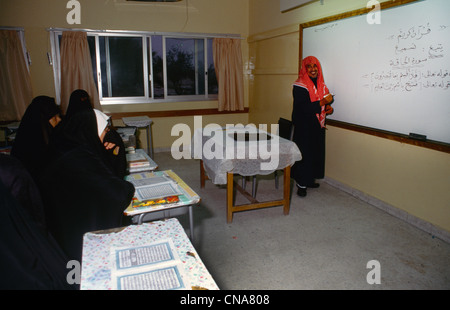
<point>221,153</point>
<point>137,121</point>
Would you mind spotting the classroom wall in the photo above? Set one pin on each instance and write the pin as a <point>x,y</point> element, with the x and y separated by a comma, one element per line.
<point>413,179</point>
<point>196,16</point>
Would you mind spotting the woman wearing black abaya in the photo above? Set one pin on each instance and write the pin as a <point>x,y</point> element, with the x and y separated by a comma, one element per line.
<point>35,129</point>
<point>79,190</point>
<point>312,101</point>
<point>80,101</point>
<point>30,258</point>
<point>23,188</point>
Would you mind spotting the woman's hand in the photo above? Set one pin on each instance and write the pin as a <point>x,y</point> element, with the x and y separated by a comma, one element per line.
<point>110,145</point>
<point>328,99</point>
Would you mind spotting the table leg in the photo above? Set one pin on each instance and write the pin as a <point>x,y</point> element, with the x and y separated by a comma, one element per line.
<point>191,222</point>
<point>140,218</point>
<point>149,142</point>
<point>254,186</point>
<point>287,190</point>
<point>202,175</point>
<point>229,197</point>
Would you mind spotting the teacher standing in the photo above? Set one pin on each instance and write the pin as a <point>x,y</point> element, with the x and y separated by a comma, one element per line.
<point>312,102</point>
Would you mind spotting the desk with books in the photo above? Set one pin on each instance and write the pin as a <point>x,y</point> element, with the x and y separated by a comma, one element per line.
<point>161,194</point>
<point>139,161</point>
<point>166,259</point>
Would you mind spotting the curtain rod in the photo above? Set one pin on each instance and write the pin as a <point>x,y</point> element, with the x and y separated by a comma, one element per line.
<point>12,28</point>
<point>179,34</point>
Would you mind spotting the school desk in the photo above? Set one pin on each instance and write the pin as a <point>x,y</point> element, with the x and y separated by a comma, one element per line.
<point>187,200</point>
<point>98,271</point>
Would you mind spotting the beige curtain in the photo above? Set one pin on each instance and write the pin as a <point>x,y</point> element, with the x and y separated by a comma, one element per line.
<point>15,81</point>
<point>229,72</point>
<point>76,68</point>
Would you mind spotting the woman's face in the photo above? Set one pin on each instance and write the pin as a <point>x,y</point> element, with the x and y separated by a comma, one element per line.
<point>312,70</point>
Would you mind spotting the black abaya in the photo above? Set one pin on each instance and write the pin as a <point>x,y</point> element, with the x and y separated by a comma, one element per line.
<point>29,257</point>
<point>80,191</point>
<point>22,187</point>
<point>33,134</point>
<point>309,137</point>
<point>80,101</point>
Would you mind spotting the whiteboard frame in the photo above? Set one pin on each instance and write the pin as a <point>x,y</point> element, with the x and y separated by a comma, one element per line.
<point>435,145</point>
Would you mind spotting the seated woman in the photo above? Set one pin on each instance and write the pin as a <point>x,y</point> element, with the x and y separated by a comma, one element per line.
<point>35,129</point>
<point>23,188</point>
<point>80,101</point>
<point>79,189</point>
<point>30,257</point>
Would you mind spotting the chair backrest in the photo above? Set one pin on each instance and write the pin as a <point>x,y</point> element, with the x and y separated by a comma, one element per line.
<point>285,128</point>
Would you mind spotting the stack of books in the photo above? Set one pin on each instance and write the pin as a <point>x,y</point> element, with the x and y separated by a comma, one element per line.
<point>137,160</point>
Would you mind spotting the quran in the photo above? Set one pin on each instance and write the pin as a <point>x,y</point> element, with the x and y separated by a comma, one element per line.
<point>155,187</point>
<point>154,266</point>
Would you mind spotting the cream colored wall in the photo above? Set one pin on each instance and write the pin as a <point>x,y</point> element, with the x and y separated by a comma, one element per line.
<point>413,179</point>
<point>162,127</point>
<point>195,16</point>
<point>275,59</point>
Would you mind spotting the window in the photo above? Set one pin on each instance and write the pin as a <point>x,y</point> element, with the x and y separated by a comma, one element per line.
<point>149,67</point>
<point>121,66</point>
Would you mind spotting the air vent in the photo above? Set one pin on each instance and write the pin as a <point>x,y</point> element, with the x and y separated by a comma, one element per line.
<point>286,5</point>
<point>153,0</point>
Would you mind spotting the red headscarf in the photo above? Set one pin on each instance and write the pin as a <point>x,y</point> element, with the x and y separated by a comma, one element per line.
<point>315,94</point>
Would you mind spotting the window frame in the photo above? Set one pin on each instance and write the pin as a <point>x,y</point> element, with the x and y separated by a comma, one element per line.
<point>148,97</point>
<point>205,71</point>
<point>121,100</point>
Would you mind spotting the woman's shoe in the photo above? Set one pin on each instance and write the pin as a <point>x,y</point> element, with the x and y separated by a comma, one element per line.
<point>301,191</point>
<point>313,185</point>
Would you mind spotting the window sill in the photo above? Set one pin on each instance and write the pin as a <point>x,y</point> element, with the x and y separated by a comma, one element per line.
<point>177,113</point>
<point>143,100</point>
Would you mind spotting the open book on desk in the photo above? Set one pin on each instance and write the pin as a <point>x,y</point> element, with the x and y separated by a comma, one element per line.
<point>154,266</point>
<point>155,187</point>
<point>149,179</point>
<point>185,195</point>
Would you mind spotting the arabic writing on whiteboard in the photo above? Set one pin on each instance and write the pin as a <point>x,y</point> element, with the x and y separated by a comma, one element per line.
<point>415,62</point>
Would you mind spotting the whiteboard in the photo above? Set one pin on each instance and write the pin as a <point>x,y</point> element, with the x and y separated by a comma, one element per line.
<point>392,76</point>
